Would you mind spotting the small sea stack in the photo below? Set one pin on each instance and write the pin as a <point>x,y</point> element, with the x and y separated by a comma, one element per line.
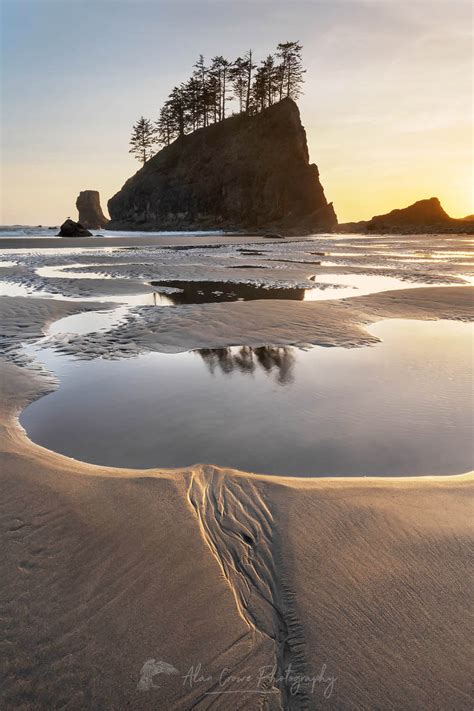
<point>90,211</point>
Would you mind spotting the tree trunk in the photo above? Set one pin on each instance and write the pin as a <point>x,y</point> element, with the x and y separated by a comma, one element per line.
<point>223,93</point>
<point>249,83</point>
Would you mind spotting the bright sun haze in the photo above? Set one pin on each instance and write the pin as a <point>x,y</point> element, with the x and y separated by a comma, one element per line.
<point>386,104</point>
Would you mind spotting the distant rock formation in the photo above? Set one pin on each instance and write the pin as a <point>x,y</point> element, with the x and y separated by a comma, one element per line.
<point>245,173</point>
<point>69,228</point>
<point>90,211</point>
<point>423,216</point>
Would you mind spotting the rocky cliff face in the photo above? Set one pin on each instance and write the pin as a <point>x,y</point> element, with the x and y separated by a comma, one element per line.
<point>90,211</point>
<point>247,172</point>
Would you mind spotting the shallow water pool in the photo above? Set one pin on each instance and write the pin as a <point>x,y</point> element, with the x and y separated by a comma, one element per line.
<point>401,407</point>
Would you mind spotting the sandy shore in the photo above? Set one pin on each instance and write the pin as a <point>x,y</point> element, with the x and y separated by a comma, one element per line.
<point>105,569</point>
<point>359,587</point>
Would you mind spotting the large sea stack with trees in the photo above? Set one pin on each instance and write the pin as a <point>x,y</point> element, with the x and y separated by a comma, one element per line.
<point>247,170</point>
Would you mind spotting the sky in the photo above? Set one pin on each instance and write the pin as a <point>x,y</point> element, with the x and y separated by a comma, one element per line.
<point>387,105</point>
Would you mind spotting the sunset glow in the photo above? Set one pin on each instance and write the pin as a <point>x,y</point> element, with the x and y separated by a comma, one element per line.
<point>387,103</point>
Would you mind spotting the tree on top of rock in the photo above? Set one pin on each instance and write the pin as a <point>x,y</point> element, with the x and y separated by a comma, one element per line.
<point>291,75</point>
<point>143,139</point>
<point>220,71</point>
<point>203,99</point>
<point>239,78</point>
<point>166,125</point>
<point>266,85</point>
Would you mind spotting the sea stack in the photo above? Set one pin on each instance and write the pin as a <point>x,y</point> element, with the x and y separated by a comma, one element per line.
<point>90,211</point>
<point>248,172</point>
<point>423,216</point>
<point>423,213</point>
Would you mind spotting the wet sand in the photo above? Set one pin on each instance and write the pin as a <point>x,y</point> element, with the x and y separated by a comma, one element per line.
<point>255,323</point>
<point>360,586</point>
<point>139,240</point>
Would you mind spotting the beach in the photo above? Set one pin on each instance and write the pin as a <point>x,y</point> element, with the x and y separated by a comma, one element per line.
<point>204,586</point>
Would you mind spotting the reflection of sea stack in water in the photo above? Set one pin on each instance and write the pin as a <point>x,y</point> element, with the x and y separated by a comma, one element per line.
<point>90,211</point>
<point>246,172</point>
<point>246,359</point>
